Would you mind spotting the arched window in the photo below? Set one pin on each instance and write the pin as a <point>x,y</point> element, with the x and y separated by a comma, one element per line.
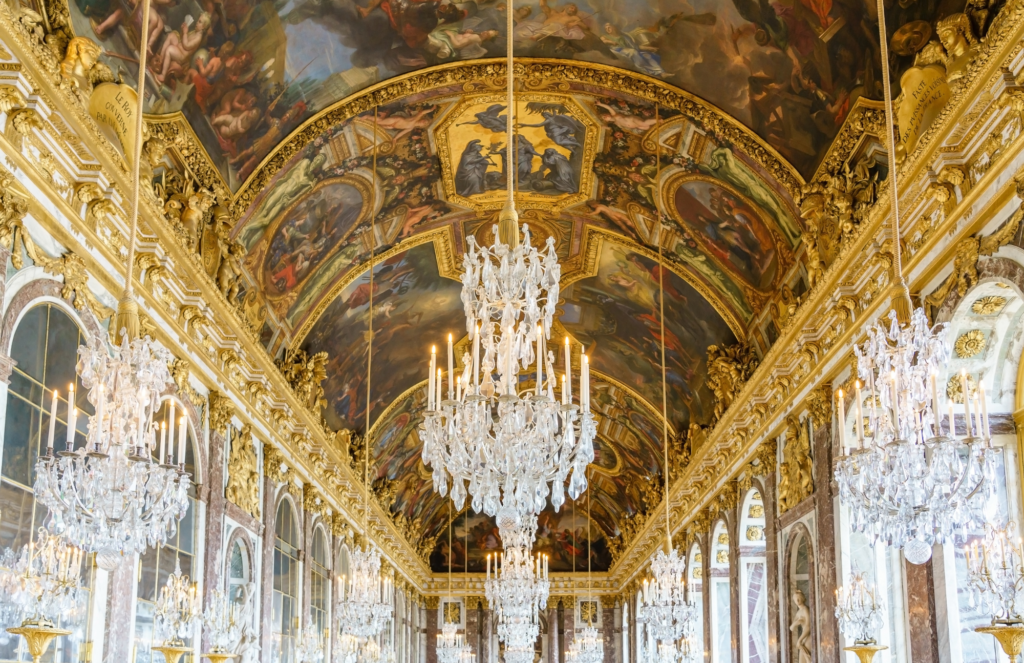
<point>45,347</point>
<point>695,586</point>
<point>156,564</point>
<point>721,608</point>
<point>320,582</point>
<point>238,571</point>
<point>285,615</point>
<point>625,632</point>
<point>753,588</point>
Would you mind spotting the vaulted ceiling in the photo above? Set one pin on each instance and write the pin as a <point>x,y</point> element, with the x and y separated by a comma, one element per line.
<point>358,135</point>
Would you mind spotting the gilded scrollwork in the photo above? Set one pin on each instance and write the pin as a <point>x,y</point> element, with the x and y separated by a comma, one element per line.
<point>729,368</point>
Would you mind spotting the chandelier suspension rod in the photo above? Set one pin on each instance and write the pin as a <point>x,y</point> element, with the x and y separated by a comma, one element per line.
<point>590,587</point>
<point>901,299</point>
<point>451,553</point>
<point>508,120</point>
<point>127,315</point>
<point>661,320</point>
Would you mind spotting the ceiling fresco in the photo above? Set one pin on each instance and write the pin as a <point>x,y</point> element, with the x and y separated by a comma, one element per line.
<point>628,455</point>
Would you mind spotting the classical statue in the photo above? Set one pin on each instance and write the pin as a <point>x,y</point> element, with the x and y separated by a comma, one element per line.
<point>247,648</point>
<point>81,65</point>
<point>229,273</point>
<point>243,474</point>
<point>800,628</point>
<point>306,374</point>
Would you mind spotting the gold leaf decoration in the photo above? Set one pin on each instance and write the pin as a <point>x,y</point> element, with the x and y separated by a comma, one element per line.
<point>755,533</point>
<point>954,388</point>
<point>969,343</point>
<point>989,305</point>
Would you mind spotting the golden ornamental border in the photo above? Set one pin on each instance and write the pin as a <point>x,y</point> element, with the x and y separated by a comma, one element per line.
<point>591,248</point>
<point>524,199</point>
<point>443,240</point>
<point>785,256</point>
<point>533,71</point>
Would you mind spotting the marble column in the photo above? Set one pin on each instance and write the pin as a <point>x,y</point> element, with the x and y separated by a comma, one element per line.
<point>923,633</point>
<point>270,491</point>
<point>120,618</point>
<point>706,545</point>
<point>432,629</point>
<point>611,628</point>
<point>307,568</point>
<point>826,503</point>
<point>568,623</point>
<point>773,570</point>
<point>215,505</point>
<point>553,632</point>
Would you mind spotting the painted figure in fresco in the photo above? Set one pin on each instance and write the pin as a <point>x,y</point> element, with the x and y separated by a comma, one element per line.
<point>451,43</point>
<point>631,123</point>
<point>176,53</point>
<point>625,47</point>
<point>559,173</point>
<point>565,23</point>
<point>724,165</point>
<point>563,130</point>
<point>525,154</point>
<point>490,119</point>
<point>619,218</point>
<point>130,11</point>
<point>471,175</point>
<point>276,129</point>
<point>405,123</point>
<point>234,116</point>
<point>288,189</point>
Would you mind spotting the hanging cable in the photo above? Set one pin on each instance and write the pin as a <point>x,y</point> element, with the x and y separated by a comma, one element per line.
<point>661,320</point>
<point>369,338</point>
<point>901,298</point>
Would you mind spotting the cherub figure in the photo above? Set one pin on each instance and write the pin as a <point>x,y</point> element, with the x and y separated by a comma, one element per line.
<point>178,48</point>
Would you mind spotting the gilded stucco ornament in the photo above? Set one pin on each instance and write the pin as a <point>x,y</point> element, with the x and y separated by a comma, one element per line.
<point>306,373</point>
<point>955,390</point>
<point>222,408</point>
<point>729,368</point>
<point>989,305</point>
<point>274,467</point>
<point>795,480</point>
<point>969,343</point>
<point>243,485</point>
<point>312,501</point>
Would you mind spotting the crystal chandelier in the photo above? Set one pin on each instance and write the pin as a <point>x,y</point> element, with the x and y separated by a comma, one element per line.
<point>589,642</point>
<point>43,581</point>
<point>908,482</point>
<point>518,589</point>
<point>450,643</point>
<point>858,611</point>
<point>310,645</point>
<point>913,484</point>
<point>224,622</point>
<point>995,574</point>
<point>346,649</point>
<point>110,497</point>
<point>514,448</point>
<point>177,609</point>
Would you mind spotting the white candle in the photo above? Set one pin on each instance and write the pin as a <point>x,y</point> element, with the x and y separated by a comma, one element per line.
<point>842,421</point>
<point>984,412</point>
<point>458,387</point>
<point>99,417</point>
<point>977,417</point>
<point>451,366</point>
<point>476,359</point>
<point>510,383</point>
<point>430,379</point>
<point>163,442</point>
<point>585,384</point>
<point>564,393</point>
<point>540,360</point>
<point>182,441</point>
<point>952,419</point>
<point>488,566</point>
<point>860,414</point>
<point>53,423</point>
<point>437,395</point>
<point>935,404</point>
<point>71,417</point>
<point>568,372</point>
<point>895,402</point>
<point>967,400</point>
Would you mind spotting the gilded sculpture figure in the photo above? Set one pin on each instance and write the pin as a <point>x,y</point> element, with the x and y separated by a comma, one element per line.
<point>306,374</point>
<point>795,481</point>
<point>243,473</point>
<point>729,368</point>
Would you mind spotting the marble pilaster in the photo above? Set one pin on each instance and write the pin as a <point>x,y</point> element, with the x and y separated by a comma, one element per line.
<point>214,553</point>
<point>432,631</point>
<point>706,547</point>
<point>773,568</point>
<point>923,633</point>
<point>611,632</point>
<point>486,629</point>
<point>738,608</point>
<point>826,503</point>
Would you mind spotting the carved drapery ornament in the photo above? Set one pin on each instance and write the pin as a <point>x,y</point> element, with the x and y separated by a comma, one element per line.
<point>795,480</point>
<point>306,373</point>
<point>729,368</point>
<point>243,487</point>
